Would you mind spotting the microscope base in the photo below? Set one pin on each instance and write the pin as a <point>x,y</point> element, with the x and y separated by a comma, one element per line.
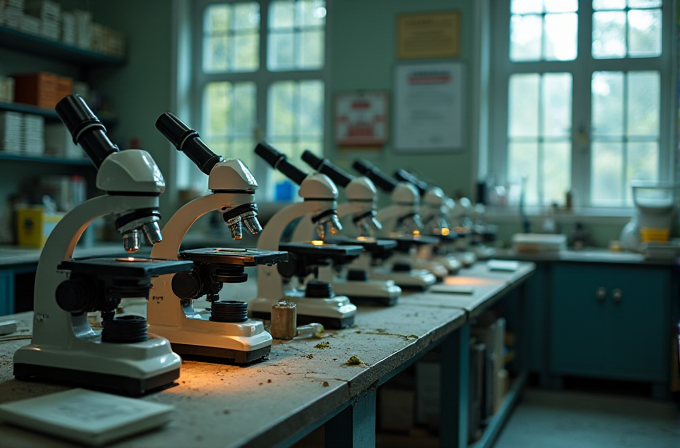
<point>237,356</point>
<point>372,292</point>
<point>124,385</point>
<point>414,280</point>
<point>334,323</point>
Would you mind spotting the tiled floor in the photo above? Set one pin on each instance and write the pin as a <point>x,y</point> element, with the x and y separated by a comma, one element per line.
<point>566,419</point>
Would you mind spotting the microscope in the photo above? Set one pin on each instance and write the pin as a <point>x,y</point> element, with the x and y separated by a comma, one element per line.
<point>225,332</point>
<point>315,299</point>
<point>434,215</point>
<point>123,357</point>
<point>401,223</point>
<point>359,223</point>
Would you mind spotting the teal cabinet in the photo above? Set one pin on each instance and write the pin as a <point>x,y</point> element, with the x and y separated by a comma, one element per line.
<point>610,321</point>
<point>6,292</point>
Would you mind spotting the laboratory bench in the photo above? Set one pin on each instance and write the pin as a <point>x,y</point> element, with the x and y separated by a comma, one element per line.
<point>304,385</point>
<point>603,315</point>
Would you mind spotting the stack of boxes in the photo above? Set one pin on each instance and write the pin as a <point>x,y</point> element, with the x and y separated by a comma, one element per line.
<point>49,15</point>
<point>41,89</point>
<point>6,89</point>
<point>11,131</point>
<point>45,18</point>
<point>34,138</point>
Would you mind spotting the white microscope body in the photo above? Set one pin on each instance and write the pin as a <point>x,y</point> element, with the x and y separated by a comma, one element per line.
<point>434,216</point>
<point>232,189</point>
<point>64,346</point>
<point>357,216</point>
<point>319,195</point>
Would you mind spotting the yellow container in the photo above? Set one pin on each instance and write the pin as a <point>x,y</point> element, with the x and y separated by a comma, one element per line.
<point>34,225</point>
<point>649,234</point>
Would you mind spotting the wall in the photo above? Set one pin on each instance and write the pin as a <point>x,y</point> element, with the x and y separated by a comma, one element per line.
<point>363,57</point>
<point>141,91</point>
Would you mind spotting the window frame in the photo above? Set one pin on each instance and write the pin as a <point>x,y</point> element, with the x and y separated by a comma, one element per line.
<point>262,77</point>
<point>581,69</point>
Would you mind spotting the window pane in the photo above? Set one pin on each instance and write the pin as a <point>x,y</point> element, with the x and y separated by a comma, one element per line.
<point>525,38</point>
<point>609,35</point>
<point>606,181</point>
<point>525,6</point>
<point>523,162</point>
<point>561,5</point>
<point>644,33</point>
<point>310,49</point>
<point>609,4</point>
<point>281,51</point>
<point>311,13</point>
<point>229,118</point>
<point>556,105</point>
<point>295,119</point>
<point>607,103</point>
<point>556,172</point>
<point>560,37</point>
<point>231,38</point>
<point>282,14</point>
<point>643,103</point>
<point>523,105</point>
<point>247,16</point>
<point>644,3</point>
<point>643,163</point>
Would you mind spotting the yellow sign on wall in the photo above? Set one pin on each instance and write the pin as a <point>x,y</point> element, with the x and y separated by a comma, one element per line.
<point>428,35</point>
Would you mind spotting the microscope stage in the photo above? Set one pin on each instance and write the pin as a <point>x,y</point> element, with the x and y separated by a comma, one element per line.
<point>377,247</point>
<point>322,249</point>
<point>125,267</point>
<point>404,243</point>
<point>235,256</point>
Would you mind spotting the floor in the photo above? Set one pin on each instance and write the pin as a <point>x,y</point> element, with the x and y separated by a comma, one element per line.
<point>568,419</point>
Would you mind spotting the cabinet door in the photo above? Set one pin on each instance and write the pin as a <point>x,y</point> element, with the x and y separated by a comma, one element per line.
<point>637,303</point>
<point>578,330</point>
<point>6,292</point>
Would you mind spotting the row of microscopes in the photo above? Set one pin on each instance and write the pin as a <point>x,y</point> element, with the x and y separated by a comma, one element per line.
<point>322,270</point>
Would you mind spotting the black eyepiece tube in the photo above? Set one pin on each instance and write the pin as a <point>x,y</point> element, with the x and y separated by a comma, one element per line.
<point>188,141</point>
<point>323,166</point>
<point>85,128</point>
<point>372,172</point>
<point>405,176</point>
<point>278,161</point>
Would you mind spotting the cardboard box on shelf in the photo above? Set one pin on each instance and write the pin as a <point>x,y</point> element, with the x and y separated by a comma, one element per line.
<point>68,28</point>
<point>83,28</point>
<point>34,134</point>
<point>11,132</point>
<point>6,89</point>
<point>44,9</point>
<point>41,89</point>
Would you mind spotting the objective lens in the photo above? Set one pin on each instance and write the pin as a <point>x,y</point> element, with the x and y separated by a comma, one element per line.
<point>252,224</point>
<point>152,232</point>
<point>235,228</point>
<point>131,240</point>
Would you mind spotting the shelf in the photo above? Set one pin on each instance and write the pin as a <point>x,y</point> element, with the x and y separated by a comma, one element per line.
<point>501,417</point>
<point>17,40</point>
<point>44,159</point>
<point>49,114</point>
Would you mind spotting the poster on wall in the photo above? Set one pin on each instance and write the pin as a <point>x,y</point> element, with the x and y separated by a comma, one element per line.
<point>361,118</point>
<point>428,35</point>
<point>428,107</point>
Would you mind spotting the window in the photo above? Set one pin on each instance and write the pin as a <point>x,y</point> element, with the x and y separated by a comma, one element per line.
<point>582,92</point>
<point>259,74</point>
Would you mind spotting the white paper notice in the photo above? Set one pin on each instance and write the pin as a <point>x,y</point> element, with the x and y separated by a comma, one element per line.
<point>429,107</point>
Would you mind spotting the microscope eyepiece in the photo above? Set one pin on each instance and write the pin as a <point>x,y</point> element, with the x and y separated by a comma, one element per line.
<point>372,172</point>
<point>85,128</point>
<point>405,176</point>
<point>278,162</point>
<point>188,141</point>
<point>323,166</point>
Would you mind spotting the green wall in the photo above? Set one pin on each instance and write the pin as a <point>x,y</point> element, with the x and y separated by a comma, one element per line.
<point>362,35</point>
<point>141,91</point>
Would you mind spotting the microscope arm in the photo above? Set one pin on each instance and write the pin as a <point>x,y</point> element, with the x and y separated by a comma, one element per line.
<point>59,247</point>
<point>179,224</point>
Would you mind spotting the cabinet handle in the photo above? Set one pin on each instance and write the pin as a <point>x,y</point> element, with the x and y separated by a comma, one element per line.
<point>617,295</point>
<point>600,293</point>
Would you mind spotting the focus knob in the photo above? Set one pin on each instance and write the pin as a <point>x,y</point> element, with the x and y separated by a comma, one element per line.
<point>76,295</point>
<point>186,285</point>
